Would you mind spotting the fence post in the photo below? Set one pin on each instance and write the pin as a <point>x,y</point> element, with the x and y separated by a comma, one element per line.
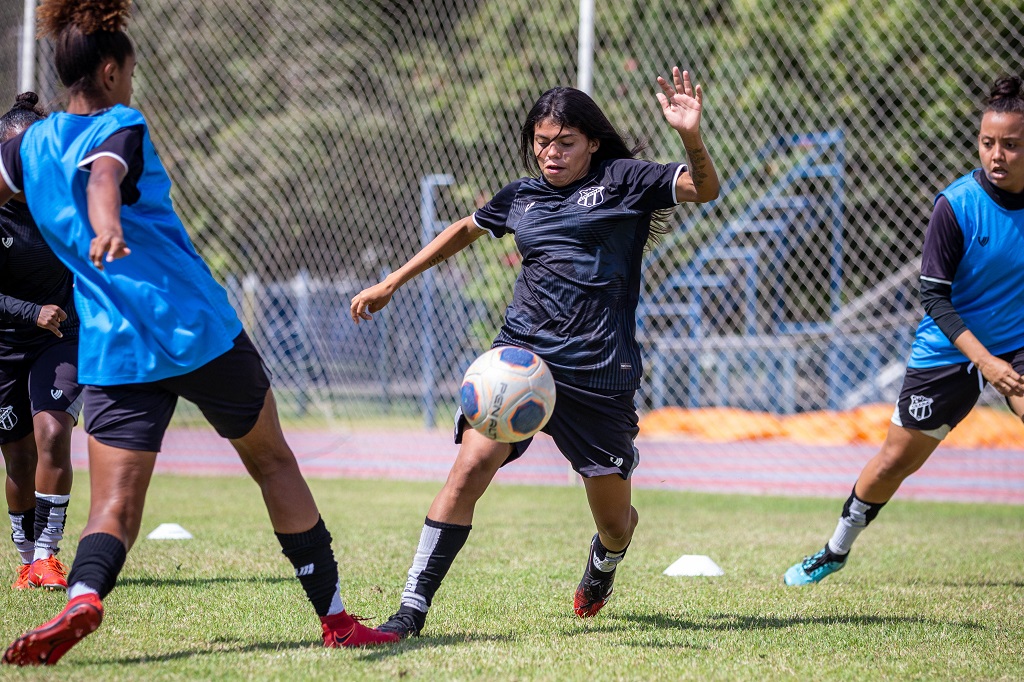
<point>429,227</point>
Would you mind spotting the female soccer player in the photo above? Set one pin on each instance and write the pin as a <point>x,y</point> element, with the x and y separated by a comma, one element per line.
<point>155,326</point>
<point>39,392</point>
<point>581,227</point>
<point>972,290</point>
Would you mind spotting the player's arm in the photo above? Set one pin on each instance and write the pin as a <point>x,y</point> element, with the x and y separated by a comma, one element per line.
<point>6,193</point>
<point>18,311</point>
<point>103,194</point>
<point>449,242</point>
<point>682,104</point>
<point>8,154</point>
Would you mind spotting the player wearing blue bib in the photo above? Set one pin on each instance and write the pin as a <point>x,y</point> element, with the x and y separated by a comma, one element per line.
<point>972,290</point>
<point>581,227</point>
<point>39,390</point>
<point>155,326</point>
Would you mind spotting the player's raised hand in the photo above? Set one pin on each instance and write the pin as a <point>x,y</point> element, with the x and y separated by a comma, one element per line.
<point>50,317</point>
<point>370,300</point>
<point>681,102</point>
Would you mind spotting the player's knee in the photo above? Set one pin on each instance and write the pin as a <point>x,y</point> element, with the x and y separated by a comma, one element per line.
<point>20,460</point>
<point>468,481</point>
<point>619,530</point>
<point>54,449</point>
<point>895,465</point>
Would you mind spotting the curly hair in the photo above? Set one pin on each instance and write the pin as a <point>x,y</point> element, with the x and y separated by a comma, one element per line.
<point>1006,96</point>
<point>86,33</point>
<point>88,16</point>
<point>25,112</point>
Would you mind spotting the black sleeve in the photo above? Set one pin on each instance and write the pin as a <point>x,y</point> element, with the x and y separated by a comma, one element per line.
<point>10,162</point>
<point>935,297</point>
<point>651,186</point>
<point>943,244</point>
<point>493,216</point>
<point>125,145</point>
<point>15,310</point>
<point>940,258</point>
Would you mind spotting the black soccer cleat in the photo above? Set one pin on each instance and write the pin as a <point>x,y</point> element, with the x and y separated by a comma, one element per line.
<point>406,623</point>
<point>594,590</point>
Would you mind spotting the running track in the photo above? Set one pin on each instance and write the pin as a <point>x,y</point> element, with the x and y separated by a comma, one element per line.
<point>775,468</point>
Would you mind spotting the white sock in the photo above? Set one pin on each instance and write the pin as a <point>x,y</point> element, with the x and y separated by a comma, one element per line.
<point>78,589</point>
<point>849,526</point>
<point>337,606</point>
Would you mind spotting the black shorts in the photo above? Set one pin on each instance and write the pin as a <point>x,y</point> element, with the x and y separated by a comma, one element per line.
<point>229,390</point>
<point>936,399</point>
<point>592,428</point>
<point>35,378</point>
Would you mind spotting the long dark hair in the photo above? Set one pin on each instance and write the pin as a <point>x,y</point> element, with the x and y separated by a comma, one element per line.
<point>572,108</point>
<point>25,112</point>
<point>85,33</point>
<point>1006,96</point>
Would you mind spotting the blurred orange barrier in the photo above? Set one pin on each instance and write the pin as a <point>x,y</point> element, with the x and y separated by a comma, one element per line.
<point>984,427</point>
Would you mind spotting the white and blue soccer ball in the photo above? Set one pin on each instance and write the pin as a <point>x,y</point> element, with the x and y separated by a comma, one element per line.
<point>508,394</point>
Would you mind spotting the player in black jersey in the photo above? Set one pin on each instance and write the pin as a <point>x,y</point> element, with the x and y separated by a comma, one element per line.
<point>581,226</point>
<point>39,392</point>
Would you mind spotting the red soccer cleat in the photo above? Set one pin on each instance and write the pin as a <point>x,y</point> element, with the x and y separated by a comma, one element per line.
<point>595,589</point>
<point>591,597</point>
<point>342,629</point>
<point>48,642</point>
<point>49,574</point>
<point>23,581</point>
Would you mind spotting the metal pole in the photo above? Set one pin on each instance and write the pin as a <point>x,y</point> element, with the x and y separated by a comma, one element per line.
<point>585,57</point>
<point>26,78</point>
<point>428,313</point>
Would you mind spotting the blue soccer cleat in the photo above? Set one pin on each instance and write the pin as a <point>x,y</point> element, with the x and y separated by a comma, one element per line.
<point>814,569</point>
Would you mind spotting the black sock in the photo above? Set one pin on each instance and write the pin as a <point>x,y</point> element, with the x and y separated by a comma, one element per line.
<point>98,562</point>
<point>604,560</point>
<point>439,545</point>
<point>23,533</point>
<point>50,517</point>
<point>315,567</point>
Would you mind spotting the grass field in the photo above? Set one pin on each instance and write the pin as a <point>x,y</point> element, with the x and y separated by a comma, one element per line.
<point>933,591</point>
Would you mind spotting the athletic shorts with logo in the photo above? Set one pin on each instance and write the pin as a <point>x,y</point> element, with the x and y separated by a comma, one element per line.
<point>34,378</point>
<point>229,390</point>
<point>936,399</point>
<point>594,429</point>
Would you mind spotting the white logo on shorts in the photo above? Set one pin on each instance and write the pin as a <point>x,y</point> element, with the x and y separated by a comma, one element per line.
<point>8,419</point>
<point>617,461</point>
<point>920,407</point>
<point>56,393</point>
<point>8,241</point>
<point>591,196</point>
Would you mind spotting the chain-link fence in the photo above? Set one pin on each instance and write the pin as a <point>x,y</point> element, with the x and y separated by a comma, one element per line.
<point>316,145</point>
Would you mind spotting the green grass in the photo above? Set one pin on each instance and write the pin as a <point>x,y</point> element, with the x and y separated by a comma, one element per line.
<point>933,591</point>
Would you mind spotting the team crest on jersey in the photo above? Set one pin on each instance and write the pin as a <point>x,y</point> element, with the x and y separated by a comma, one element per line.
<point>920,407</point>
<point>591,196</point>
<point>56,393</point>
<point>8,420</point>
<point>8,241</point>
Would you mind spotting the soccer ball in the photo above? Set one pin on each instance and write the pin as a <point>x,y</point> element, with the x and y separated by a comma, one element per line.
<point>508,394</point>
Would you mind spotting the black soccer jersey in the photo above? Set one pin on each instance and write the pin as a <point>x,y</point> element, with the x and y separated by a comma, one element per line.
<point>574,302</point>
<point>31,276</point>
